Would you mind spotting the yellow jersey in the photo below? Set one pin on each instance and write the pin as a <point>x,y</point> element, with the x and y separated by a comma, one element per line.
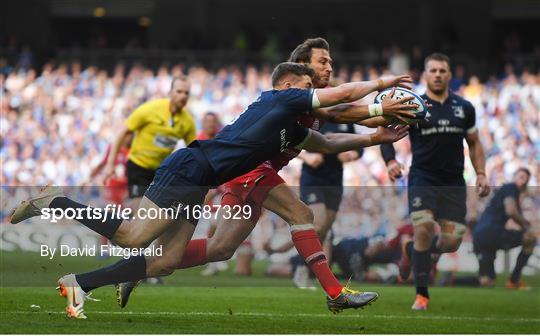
<point>157,132</point>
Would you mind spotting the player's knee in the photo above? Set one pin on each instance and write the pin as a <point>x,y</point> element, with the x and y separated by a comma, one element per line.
<point>423,230</point>
<point>529,239</point>
<point>222,252</point>
<point>137,241</point>
<point>449,244</point>
<point>423,220</point>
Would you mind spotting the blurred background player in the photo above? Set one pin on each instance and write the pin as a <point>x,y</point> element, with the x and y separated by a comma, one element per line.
<point>156,126</point>
<point>436,189</point>
<point>491,235</point>
<point>116,185</point>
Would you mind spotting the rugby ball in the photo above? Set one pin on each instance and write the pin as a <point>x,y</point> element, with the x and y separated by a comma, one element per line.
<point>421,112</point>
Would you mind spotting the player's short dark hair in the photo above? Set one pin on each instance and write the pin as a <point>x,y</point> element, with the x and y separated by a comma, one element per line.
<point>437,57</point>
<point>302,53</point>
<point>182,78</point>
<point>287,68</point>
<point>525,170</point>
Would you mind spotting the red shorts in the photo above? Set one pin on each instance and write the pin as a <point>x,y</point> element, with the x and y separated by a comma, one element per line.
<point>251,189</point>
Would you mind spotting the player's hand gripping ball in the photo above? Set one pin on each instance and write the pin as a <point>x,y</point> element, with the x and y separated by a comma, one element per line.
<point>421,113</point>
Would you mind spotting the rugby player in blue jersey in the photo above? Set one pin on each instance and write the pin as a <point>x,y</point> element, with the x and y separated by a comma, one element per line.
<point>436,189</point>
<point>491,235</point>
<point>266,128</point>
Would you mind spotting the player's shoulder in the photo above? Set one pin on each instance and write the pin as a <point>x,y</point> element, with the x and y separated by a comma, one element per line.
<point>291,93</point>
<point>156,103</point>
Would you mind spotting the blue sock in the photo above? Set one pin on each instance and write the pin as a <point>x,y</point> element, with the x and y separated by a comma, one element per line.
<point>520,263</point>
<point>107,228</point>
<point>131,269</point>
<point>421,267</point>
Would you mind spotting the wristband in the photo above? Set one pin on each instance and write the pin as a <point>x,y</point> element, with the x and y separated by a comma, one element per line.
<point>375,139</point>
<point>481,173</point>
<point>380,84</point>
<point>375,110</point>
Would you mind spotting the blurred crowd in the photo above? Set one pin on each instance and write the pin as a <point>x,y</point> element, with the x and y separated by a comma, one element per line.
<point>56,122</point>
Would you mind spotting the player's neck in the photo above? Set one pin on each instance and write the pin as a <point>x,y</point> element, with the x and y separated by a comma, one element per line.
<point>438,97</point>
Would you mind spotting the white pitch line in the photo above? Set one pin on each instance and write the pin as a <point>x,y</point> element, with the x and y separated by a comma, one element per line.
<point>409,317</point>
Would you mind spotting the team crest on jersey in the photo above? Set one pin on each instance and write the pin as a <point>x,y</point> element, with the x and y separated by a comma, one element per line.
<point>458,112</point>
<point>416,202</point>
<point>316,124</point>
<point>312,197</point>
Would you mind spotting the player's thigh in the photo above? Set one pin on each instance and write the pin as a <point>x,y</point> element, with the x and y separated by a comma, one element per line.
<point>452,204</point>
<point>422,198</point>
<point>148,223</point>
<point>282,201</point>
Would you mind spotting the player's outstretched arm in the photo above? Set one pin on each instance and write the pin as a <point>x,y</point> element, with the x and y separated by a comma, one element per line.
<point>478,159</point>
<point>350,92</point>
<point>342,142</point>
<point>372,115</point>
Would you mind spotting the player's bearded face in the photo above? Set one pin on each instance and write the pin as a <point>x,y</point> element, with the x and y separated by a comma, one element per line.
<point>437,76</point>
<point>321,62</point>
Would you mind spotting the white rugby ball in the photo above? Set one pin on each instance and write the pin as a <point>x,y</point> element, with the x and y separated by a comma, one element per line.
<point>421,113</point>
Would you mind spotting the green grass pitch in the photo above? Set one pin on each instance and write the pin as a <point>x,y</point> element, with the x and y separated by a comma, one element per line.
<point>227,304</point>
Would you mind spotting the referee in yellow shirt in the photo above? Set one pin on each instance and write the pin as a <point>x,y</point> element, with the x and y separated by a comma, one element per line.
<point>156,126</point>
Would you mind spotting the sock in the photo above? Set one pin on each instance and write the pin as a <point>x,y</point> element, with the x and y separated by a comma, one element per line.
<point>307,243</point>
<point>131,269</point>
<point>486,264</point>
<point>195,254</point>
<point>107,228</point>
<point>520,263</point>
<point>434,248</point>
<point>409,249</point>
<point>421,266</point>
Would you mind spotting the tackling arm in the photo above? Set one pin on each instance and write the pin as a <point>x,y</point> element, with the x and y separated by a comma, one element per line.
<point>342,142</point>
<point>350,92</point>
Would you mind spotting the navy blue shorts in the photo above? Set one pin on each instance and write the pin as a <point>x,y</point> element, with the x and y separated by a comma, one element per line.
<point>181,182</point>
<point>493,239</point>
<point>316,190</point>
<point>446,198</point>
